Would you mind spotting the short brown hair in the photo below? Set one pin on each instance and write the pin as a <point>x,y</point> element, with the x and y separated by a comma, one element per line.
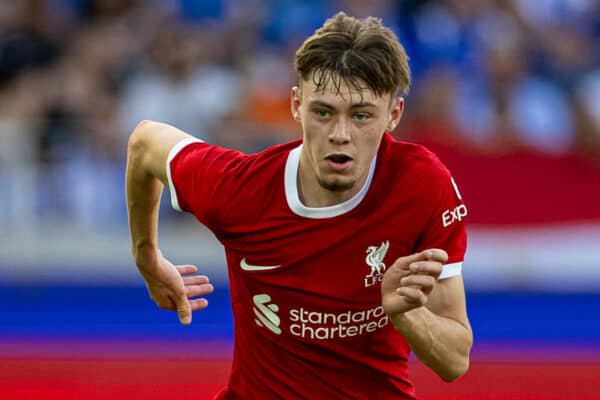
<point>352,51</point>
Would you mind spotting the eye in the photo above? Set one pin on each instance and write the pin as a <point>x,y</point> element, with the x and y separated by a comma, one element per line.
<point>361,116</point>
<point>322,113</point>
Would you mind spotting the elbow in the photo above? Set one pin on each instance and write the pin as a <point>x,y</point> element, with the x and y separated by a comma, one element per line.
<point>142,125</point>
<point>143,128</point>
<point>456,371</point>
<point>459,364</point>
<point>138,144</point>
<point>138,138</point>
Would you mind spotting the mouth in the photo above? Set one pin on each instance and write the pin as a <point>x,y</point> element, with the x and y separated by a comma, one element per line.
<point>338,161</point>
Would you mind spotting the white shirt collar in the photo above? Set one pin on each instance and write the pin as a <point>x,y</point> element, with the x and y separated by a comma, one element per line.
<point>293,199</point>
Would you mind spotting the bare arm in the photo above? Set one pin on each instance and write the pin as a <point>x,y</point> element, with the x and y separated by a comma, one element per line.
<point>147,152</point>
<point>168,285</point>
<point>431,314</point>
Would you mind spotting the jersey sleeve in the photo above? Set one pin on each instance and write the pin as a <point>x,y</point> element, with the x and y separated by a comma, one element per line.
<point>446,227</point>
<point>199,177</point>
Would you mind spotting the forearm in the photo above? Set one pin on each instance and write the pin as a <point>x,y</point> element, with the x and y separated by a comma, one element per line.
<point>143,191</point>
<point>442,344</point>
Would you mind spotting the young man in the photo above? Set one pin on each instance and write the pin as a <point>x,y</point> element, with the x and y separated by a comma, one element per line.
<point>344,250</point>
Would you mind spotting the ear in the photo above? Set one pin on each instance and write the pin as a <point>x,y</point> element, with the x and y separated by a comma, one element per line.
<point>395,113</point>
<point>296,98</point>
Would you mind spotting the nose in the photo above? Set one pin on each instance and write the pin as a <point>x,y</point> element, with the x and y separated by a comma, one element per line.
<point>340,133</point>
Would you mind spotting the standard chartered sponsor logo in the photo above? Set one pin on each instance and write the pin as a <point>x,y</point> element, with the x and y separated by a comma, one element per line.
<point>317,325</point>
<point>266,314</point>
<point>326,326</point>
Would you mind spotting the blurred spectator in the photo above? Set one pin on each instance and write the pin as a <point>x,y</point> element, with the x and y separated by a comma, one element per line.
<point>25,39</point>
<point>587,110</point>
<point>183,82</point>
<point>490,76</point>
<point>263,114</point>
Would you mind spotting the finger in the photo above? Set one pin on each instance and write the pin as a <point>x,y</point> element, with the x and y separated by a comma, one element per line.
<point>412,295</point>
<point>195,280</point>
<point>425,255</point>
<point>433,268</point>
<point>198,304</point>
<point>438,255</point>
<point>425,282</point>
<point>186,269</point>
<point>184,310</point>
<point>199,290</point>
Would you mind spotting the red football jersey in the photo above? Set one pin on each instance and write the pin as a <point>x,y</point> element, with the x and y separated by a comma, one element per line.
<point>305,282</point>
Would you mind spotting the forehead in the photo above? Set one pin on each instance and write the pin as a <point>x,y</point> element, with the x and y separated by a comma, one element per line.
<point>341,93</point>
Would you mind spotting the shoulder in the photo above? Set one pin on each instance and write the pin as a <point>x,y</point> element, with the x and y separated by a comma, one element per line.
<point>271,154</point>
<point>261,166</point>
<point>227,160</point>
<point>413,161</point>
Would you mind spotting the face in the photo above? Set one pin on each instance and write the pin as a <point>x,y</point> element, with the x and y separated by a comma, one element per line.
<point>341,134</point>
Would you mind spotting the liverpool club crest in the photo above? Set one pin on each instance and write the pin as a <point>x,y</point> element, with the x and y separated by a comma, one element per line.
<point>374,260</point>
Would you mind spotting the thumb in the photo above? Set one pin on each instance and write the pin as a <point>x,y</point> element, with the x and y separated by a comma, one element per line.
<point>184,310</point>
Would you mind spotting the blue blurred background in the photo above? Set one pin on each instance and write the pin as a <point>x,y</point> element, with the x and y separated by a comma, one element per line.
<point>507,92</point>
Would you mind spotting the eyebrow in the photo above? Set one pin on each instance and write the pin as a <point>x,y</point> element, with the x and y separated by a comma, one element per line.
<point>323,104</point>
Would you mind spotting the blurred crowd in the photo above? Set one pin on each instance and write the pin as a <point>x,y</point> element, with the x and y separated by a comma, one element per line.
<point>489,76</point>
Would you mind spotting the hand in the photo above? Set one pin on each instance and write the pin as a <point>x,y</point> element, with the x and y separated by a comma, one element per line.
<point>174,287</point>
<point>408,282</point>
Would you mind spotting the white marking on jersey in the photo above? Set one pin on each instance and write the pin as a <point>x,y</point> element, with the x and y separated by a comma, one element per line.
<point>456,188</point>
<point>266,314</point>
<point>248,267</point>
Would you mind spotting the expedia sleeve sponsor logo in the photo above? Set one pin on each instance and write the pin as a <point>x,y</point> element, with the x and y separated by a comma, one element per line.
<point>327,326</point>
<point>456,214</point>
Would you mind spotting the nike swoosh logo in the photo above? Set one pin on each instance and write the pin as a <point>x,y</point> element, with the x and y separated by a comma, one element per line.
<point>248,267</point>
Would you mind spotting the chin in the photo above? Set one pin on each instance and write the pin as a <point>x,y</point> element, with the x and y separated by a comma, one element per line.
<point>337,185</point>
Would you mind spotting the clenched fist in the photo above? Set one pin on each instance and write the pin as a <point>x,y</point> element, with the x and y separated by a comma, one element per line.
<point>408,282</point>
